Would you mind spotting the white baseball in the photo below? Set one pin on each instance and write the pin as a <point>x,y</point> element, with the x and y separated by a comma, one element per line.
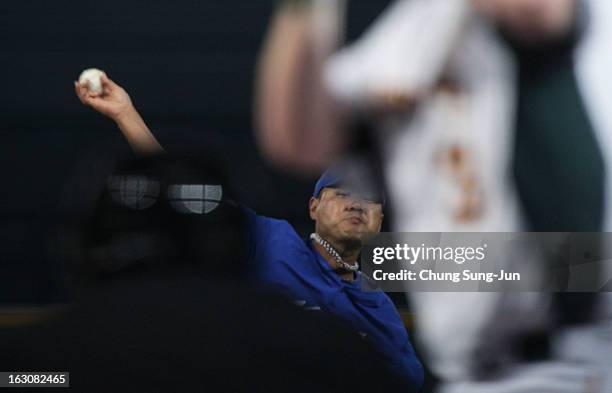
<point>92,75</point>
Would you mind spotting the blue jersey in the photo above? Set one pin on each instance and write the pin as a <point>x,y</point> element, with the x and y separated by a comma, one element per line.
<point>287,264</point>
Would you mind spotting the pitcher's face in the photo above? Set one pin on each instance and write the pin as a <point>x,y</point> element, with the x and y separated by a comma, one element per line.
<point>342,216</point>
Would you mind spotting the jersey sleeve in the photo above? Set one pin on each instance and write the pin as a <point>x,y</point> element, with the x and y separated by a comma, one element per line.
<point>258,228</point>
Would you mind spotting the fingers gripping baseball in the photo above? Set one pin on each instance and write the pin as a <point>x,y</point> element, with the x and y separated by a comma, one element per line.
<point>97,90</point>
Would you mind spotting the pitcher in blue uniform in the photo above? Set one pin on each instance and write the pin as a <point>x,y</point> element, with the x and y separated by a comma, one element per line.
<point>319,273</point>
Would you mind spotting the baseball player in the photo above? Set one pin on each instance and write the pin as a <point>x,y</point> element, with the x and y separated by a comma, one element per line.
<point>320,273</point>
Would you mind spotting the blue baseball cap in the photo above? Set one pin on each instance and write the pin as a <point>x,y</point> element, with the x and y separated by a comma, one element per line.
<point>351,179</point>
<point>329,178</point>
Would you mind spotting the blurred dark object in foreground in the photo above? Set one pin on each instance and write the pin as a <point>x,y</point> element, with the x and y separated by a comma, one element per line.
<point>158,215</point>
<point>185,333</point>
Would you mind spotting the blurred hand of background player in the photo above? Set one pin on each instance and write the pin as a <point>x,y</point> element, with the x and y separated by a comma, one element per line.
<point>113,102</point>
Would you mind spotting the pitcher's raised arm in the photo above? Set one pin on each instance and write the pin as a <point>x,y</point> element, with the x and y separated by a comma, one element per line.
<point>115,103</point>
